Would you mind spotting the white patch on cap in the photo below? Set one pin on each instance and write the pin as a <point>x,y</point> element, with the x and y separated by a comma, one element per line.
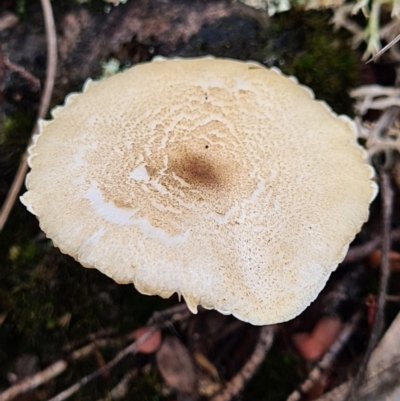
<point>123,216</point>
<point>140,173</point>
<point>107,210</point>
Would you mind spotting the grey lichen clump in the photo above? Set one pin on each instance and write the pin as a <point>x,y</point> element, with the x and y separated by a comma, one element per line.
<point>220,180</point>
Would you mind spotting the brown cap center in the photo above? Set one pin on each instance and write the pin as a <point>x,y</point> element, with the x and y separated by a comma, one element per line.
<point>198,170</point>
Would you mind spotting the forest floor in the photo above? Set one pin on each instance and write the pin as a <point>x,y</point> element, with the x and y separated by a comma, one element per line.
<point>54,313</point>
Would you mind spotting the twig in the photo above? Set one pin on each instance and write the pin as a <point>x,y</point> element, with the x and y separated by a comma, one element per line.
<point>131,349</point>
<point>327,360</point>
<point>34,81</point>
<point>160,317</point>
<point>237,383</point>
<point>122,388</point>
<point>387,203</point>
<point>359,252</point>
<point>386,48</point>
<point>32,382</point>
<point>90,337</point>
<point>392,298</point>
<point>44,105</point>
<point>52,371</point>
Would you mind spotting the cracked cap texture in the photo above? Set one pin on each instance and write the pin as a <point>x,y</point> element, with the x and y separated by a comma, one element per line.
<point>220,180</point>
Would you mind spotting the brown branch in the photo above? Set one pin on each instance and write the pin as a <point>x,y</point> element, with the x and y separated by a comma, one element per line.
<point>392,298</point>
<point>52,371</point>
<point>34,381</point>
<point>34,81</point>
<point>44,105</point>
<point>327,360</point>
<point>131,349</point>
<point>238,382</point>
<point>387,205</point>
<point>122,388</point>
<point>92,337</point>
<point>164,318</point>
<point>359,252</point>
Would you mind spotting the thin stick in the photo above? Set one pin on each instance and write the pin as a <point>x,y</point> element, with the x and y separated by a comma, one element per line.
<point>130,349</point>
<point>92,337</point>
<point>122,388</point>
<point>44,105</point>
<point>250,367</point>
<point>34,81</point>
<point>55,369</point>
<point>392,298</point>
<point>387,204</point>
<point>32,382</point>
<point>161,316</point>
<point>327,360</point>
<point>386,48</point>
<point>359,252</point>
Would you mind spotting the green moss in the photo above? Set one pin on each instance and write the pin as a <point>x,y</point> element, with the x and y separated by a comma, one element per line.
<point>328,65</point>
<point>20,7</point>
<point>50,300</point>
<point>15,131</point>
<point>305,45</point>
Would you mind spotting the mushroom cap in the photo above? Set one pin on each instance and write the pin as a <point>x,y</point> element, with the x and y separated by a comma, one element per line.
<point>220,180</point>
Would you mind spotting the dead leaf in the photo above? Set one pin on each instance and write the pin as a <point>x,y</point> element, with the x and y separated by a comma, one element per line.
<point>176,365</point>
<point>313,345</point>
<point>152,344</point>
<point>374,260</point>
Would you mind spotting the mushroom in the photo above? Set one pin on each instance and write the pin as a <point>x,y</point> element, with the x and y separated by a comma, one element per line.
<point>219,180</point>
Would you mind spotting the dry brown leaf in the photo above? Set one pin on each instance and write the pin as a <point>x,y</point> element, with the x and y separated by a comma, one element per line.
<point>176,366</point>
<point>152,344</point>
<point>313,345</point>
<point>374,260</point>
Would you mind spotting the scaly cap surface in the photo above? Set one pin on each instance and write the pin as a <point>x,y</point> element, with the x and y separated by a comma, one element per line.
<point>217,179</point>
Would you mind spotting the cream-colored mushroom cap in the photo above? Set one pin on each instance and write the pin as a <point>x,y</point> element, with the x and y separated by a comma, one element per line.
<point>220,180</point>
